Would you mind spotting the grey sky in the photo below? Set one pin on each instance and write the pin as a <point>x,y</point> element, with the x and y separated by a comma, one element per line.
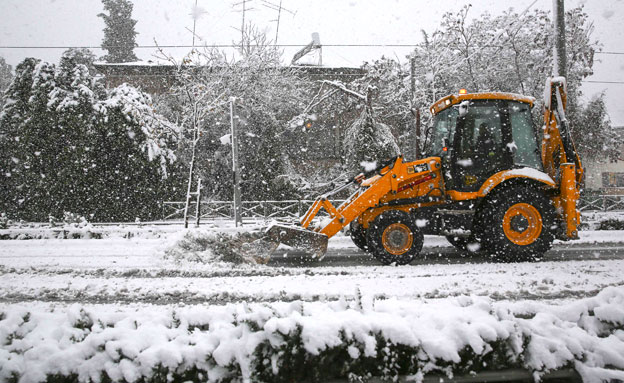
<point>75,23</point>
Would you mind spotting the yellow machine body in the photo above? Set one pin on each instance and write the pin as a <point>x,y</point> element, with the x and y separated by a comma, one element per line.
<point>403,188</point>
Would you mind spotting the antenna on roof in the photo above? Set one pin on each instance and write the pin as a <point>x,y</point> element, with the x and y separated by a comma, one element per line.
<point>279,9</point>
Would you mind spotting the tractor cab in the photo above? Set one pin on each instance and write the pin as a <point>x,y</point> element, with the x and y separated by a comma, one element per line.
<point>478,135</point>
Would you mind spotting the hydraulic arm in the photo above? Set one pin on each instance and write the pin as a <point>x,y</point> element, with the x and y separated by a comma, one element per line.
<point>392,177</point>
<point>559,156</point>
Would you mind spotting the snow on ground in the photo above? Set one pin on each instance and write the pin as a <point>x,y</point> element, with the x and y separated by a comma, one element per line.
<point>134,269</point>
<point>125,278</point>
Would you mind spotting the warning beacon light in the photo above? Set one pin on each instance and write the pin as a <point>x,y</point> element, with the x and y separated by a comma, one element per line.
<point>463,91</point>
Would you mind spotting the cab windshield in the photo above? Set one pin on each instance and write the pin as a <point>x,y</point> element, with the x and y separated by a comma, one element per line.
<point>443,128</point>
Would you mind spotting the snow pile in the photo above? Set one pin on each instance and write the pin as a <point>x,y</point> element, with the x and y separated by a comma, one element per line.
<point>292,341</point>
<point>240,245</point>
<point>602,220</point>
<point>71,226</point>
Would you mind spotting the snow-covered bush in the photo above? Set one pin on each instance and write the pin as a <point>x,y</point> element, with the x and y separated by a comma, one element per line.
<point>69,219</point>
<point>313,341</point>
<point>4,221</point>
<point>69,144</point>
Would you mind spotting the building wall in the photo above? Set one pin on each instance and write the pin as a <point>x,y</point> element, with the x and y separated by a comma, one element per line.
<point>606,177</point>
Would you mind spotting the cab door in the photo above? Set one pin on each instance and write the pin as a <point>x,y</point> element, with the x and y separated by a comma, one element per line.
<point>480,146</point>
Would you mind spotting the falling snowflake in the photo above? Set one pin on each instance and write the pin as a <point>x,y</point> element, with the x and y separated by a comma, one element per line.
<point>197,12</point>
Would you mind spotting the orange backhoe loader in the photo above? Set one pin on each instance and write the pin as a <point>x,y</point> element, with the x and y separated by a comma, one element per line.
<point>485,184</point>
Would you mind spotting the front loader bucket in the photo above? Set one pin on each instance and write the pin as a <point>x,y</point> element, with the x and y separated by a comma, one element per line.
<point>299,238</point>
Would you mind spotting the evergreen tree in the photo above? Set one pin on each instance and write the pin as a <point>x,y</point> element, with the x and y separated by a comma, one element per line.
<point>119,33</point>
<point>6,75</point>
<point>68,144</point>
<point>82,56</point>
<point>603,142</point>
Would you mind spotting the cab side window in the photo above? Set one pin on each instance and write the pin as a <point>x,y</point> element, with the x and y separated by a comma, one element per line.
<point>480,148</point>
<point>524,146</point>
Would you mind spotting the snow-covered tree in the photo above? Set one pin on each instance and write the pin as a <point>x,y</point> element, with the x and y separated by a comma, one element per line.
<point>82,56</point>
<point>119,33</point>
<point>368,141</point>
<point>267,97</point>
<point>68,144</point>
<point>6,75</point>
<point>510,52</point>
<point>603,142</point>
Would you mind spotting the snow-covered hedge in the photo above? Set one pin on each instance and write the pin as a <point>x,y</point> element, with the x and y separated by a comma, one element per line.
<point>285,342</point>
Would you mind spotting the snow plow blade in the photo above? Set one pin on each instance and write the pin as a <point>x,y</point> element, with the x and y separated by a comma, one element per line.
<point>299,238</point>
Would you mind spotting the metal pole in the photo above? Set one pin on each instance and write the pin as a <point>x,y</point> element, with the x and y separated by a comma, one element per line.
<point>415,111</point>
<point>419,150</point>
<point>197,207</point>
<point>235,168</point>
<point>560,48</point>
<point>243,26</point>
<point>192,166</point>
<point>194,22</point>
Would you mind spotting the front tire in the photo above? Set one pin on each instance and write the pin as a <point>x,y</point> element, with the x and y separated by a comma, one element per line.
<point>516,224</point>
<point>394,238</point>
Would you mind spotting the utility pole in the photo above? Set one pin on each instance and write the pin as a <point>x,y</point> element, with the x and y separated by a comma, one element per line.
<point>235,167</point>
<point>414,109</point>
<point>243,24</point>
<point>189,193</point>
<point>194,23</point>
<point>560,65</point>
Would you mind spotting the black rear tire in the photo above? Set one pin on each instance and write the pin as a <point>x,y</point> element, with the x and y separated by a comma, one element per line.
<point>394,238</point>
<point>358,235</point>
<point>516,224</point>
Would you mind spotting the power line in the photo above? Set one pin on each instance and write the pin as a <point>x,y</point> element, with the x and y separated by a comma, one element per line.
<point>200,46</point>
<point>604,82</point>
<point>236,45</point>
<point>165,75</point>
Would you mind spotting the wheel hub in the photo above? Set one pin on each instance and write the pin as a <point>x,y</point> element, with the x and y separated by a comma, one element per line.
<point>397,238</point>
<point>522,224</point>
<point>519,223</point>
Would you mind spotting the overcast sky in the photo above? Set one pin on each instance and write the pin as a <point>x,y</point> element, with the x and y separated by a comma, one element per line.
<point>75,23</point>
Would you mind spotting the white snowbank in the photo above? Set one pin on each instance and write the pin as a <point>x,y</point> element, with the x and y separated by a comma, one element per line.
<point>236,339</point>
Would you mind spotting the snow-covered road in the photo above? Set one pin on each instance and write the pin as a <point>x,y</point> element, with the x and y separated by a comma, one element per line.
<point>118,306</point>
<point>133,270</point>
